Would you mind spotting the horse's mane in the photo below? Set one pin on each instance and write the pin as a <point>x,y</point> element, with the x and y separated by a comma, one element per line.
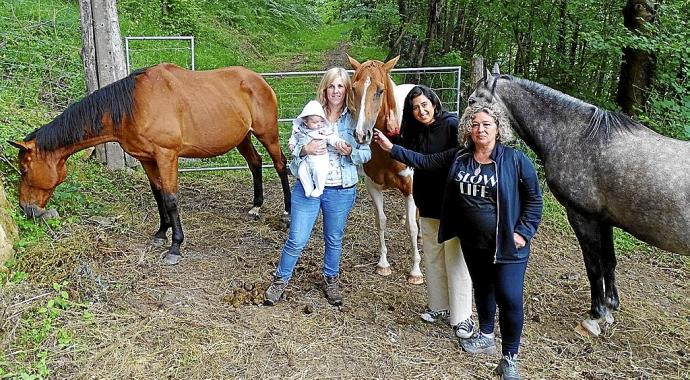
<point>602,123</point>
<point>83,118</point>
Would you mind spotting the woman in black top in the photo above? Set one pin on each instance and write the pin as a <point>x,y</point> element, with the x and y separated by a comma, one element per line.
<point>428,128</point>
<point>493,203</point>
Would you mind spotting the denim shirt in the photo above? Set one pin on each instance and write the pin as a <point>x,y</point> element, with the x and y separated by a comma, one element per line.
<point>361,153</point>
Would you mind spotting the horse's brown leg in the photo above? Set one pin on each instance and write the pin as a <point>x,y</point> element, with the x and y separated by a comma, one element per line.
<point>253,159</point>
<point>160,237</point>
<point>167,167</point>
<point>271,142</point>
<point>279,163</point>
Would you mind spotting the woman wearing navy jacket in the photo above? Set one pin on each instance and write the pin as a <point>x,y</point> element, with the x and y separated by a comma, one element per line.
<point>493,204</point>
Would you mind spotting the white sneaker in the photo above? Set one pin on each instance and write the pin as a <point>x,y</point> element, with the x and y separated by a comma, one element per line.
<point>464,329</point>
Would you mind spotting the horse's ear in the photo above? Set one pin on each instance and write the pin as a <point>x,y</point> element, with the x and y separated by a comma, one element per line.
<point>18,144</point>
<point>487,74</point>
<point>353,62</point>
<point>495,71</point>
<point>388,66</point>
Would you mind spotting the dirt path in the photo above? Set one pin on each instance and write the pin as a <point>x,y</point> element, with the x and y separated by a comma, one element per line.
<point>337,57</point>
<point>198,320</point>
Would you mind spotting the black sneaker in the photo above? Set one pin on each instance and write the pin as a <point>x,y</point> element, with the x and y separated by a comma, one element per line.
<point>479,344</point>
<point>432,316</point>
<point>464,329</point>
<point>507,368</point>
<point>275,291</point>
<point>331,290</point>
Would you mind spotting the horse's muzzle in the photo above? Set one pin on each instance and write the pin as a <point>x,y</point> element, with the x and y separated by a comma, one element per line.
<point>364,138</point>
<point>33,211</point>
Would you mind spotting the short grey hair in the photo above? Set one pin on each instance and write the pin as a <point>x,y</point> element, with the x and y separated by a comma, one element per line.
<point>504,133</point>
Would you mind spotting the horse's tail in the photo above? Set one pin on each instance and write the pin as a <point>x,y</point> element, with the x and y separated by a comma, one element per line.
<point>262,102</point>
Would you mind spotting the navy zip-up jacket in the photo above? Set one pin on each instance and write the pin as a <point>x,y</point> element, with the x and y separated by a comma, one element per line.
<point>519,200</point>
<point>440,136</point>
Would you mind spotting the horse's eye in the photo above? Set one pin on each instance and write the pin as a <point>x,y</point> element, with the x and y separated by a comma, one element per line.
<point>378,94</point>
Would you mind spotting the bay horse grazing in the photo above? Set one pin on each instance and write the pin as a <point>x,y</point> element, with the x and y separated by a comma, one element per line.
<point>607,170</point>
<point>372,100</point>
<point>157,115</point>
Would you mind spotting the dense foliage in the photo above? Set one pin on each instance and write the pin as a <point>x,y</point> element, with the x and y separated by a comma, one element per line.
<point>573,46</point>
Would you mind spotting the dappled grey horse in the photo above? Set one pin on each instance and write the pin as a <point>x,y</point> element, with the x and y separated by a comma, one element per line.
<point>607,170</point>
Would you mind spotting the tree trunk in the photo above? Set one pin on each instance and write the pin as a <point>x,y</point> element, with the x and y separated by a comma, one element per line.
<point>452,17</point>
<point>395,45</point>
<point>88,58</point>
<point>638,66</point>
<point>478,70</point>
<point>104,63</point>
<point>432,28</point>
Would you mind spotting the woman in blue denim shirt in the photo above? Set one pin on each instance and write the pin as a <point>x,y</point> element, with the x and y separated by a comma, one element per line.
<point>337,199</point>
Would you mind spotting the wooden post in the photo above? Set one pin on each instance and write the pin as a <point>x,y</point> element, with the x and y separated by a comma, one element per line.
<point>477,70</point>
<point>104,63</point>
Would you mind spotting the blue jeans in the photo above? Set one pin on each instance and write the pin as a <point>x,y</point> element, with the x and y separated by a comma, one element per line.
<point>499,284</point>
<point>335,203</point>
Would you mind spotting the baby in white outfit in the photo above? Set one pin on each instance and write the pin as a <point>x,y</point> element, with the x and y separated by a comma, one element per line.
<point>311,124</point>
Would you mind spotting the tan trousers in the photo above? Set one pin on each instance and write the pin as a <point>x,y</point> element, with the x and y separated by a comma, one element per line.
<point>449,286</point>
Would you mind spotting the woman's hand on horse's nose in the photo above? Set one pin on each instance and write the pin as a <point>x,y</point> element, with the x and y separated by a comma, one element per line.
<point>382,140</point>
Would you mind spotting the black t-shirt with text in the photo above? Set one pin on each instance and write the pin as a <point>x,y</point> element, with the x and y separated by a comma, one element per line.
<point>477,204</point>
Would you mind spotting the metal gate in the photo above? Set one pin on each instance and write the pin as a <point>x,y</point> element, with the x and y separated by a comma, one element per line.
<point>295,89</point>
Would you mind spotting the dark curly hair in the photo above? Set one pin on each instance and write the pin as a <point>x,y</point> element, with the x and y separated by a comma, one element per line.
<point>410,127</point>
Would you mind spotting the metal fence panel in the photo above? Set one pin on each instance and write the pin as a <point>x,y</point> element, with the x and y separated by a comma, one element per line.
<point>295,89</point>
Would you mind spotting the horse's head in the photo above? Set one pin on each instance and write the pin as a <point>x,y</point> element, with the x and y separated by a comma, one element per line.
<point>485,92</point>
<point>41,172</point>
<point>371,93</point>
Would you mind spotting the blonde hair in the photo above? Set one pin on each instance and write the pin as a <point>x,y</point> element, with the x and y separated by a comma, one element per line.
<point>327,79</point>
<point>503,134</point>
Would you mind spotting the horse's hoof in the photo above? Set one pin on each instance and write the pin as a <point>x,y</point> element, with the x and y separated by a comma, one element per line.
<point>158,242</point>
<point>50,214</point>
<point>383,271</point>
<point>170,259</point>
<point>588,328</point>
<point>415,280</point>
<point>254,212</point>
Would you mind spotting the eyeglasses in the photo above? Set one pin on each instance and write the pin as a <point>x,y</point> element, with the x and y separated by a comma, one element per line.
<point>485,125</point>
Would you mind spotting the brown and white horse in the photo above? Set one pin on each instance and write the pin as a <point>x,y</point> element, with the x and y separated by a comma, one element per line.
<point>373,97</point>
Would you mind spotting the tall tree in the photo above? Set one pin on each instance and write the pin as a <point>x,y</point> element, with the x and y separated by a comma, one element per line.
<point>104,62</point>
<point>431,30</point>
<point>395,43</point>
<point>638,66</point>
